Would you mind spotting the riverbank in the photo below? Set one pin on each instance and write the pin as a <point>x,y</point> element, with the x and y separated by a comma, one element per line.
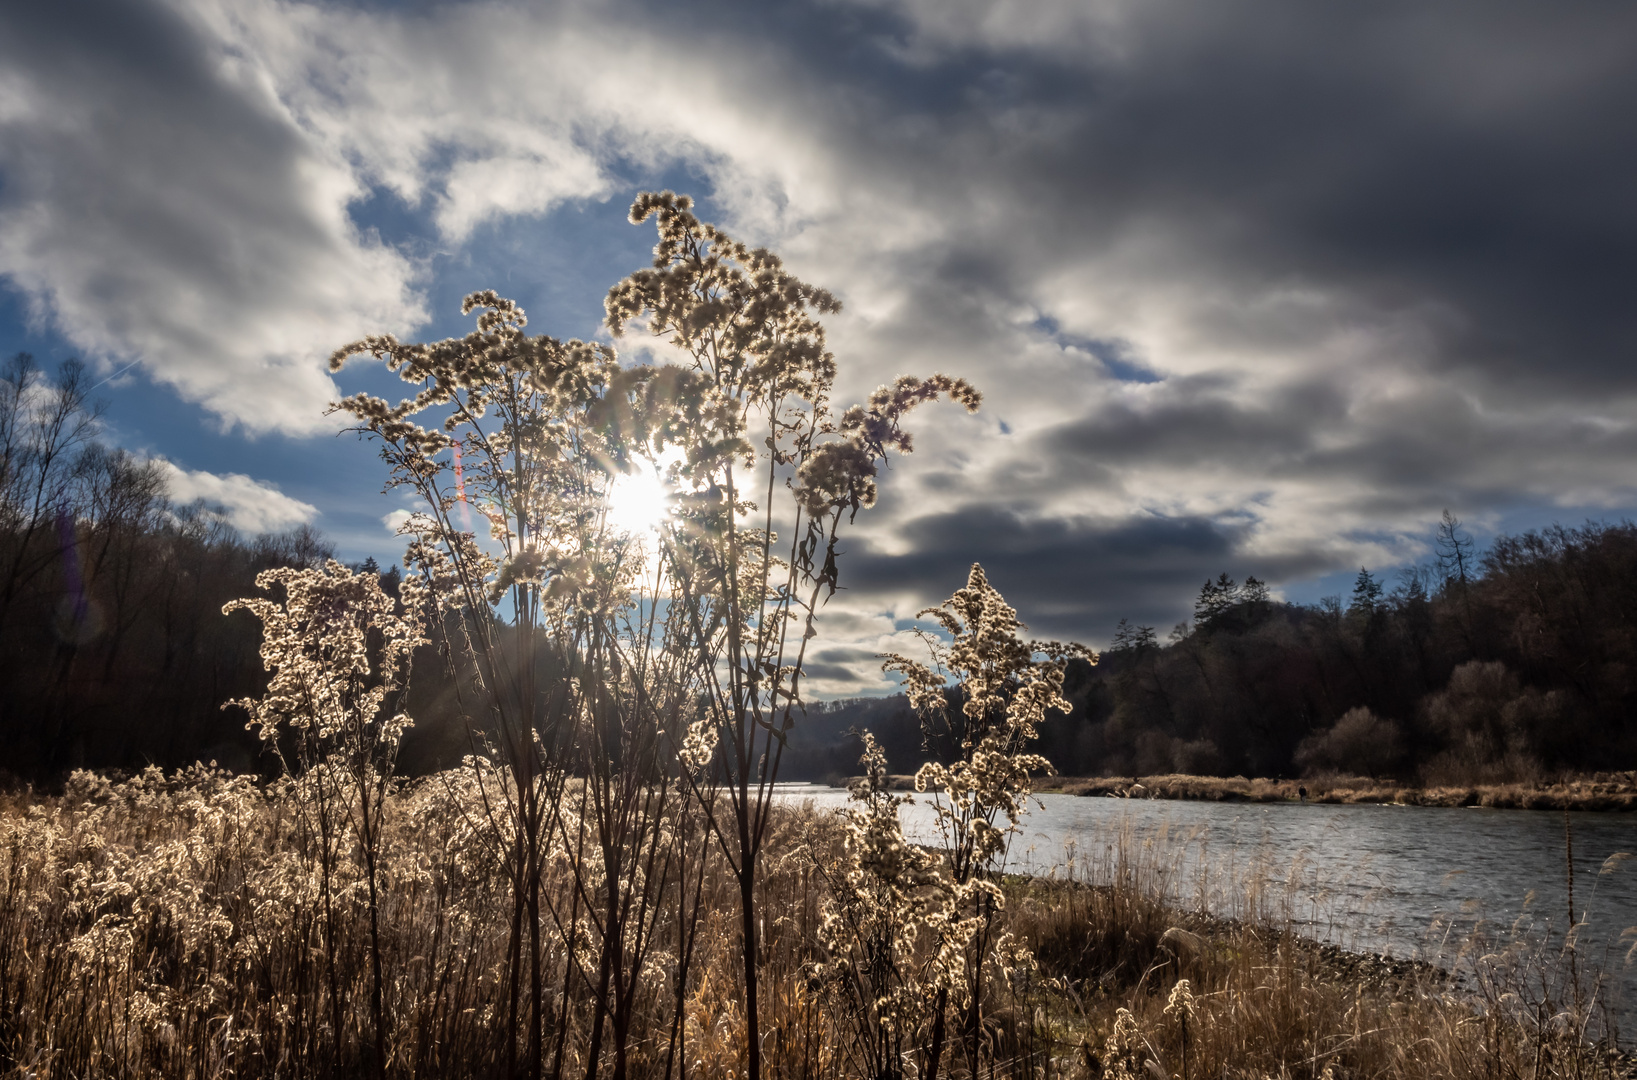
<point>1144,988</point>
<point>1599,791</point>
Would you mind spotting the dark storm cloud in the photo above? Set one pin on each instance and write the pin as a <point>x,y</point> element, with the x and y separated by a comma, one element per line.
<point>1066,578</point>
<point>1390,251</point>
<point>843,668</point>
<point>1191,420</point>
<point>840,676</point>
<point>1403,454</point>
<point>1471,155</point>
<point>1461,168</point>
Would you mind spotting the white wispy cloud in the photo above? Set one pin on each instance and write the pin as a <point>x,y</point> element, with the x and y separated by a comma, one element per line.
<point>251,505</point>
<point>161,204</point>
<point>395,521</point>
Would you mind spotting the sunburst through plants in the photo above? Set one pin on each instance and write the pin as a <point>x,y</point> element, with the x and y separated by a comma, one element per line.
<point>641,501</point>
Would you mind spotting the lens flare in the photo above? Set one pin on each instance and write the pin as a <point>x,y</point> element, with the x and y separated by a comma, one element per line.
<point>79,619</point>
<point>460,491</point>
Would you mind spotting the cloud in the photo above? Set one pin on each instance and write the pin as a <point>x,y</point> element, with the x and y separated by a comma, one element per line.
<point>251,506</point>
<point>1066,578</point>
<point>1248,288</point>
<point>395,520</point>
<point>844,660</point>
<point>160,204</point>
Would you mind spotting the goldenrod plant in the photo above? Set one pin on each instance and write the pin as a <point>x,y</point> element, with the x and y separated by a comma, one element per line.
<point>1003,687</point>
<point>882,895</point>
<point>749,408</point>
<point>546,647</point>
<point>339,652</point>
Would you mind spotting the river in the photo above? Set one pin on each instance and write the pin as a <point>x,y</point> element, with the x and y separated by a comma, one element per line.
<point>1415,882</point>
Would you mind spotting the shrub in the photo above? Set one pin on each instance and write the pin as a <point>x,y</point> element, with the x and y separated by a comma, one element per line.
<point>1360,742</point>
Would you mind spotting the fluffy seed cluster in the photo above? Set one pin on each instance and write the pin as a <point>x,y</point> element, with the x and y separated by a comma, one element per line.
<point>318,643</point>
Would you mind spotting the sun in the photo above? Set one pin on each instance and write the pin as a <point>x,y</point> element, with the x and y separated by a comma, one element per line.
<point>640,501</point>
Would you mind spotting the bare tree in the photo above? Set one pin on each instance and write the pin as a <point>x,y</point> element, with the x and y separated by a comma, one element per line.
<point>1457,564</point>
<point>44,425</point>
<point>1455,551</point>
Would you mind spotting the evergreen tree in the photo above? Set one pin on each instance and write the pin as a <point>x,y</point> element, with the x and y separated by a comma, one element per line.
<point>1128,637</point>
<point>1215,598</point>
<point>1366,594</point>
<point>1254,591</point>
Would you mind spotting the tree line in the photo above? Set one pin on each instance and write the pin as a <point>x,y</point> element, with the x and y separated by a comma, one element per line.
<point>115,652</point>
<point>1505,666</point>
<point>113,648</point>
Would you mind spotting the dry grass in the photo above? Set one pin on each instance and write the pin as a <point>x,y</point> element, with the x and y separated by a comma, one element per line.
<point>1599,791</point>
<point>1269,1003</point>
<point>175,927</point>
<point>172,927</point>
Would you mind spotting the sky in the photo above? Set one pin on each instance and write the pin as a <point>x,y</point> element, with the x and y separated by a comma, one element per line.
<point>1249,287</point>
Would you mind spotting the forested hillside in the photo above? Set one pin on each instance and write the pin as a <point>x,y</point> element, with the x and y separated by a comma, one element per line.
<point>114,651</point>
<point>1508,666</point>
<point>113,646</point>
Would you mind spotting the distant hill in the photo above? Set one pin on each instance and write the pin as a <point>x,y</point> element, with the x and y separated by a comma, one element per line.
<point>1513,666</point>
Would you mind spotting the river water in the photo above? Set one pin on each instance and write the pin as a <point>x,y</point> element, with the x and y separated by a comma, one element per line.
<point>1421,882</point>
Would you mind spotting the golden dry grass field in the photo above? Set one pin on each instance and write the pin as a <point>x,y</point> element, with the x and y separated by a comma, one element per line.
<point>183,926</point>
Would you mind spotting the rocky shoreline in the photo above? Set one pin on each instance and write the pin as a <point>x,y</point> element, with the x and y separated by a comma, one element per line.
<point>1611,792</point>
